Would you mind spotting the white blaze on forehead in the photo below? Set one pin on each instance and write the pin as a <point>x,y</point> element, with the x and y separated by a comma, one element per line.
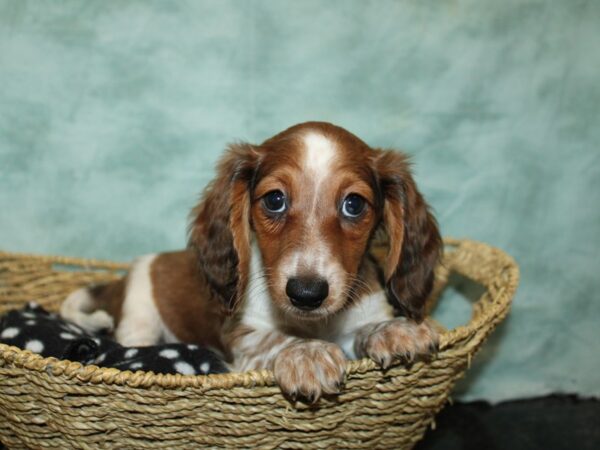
<point>314,257</point>
<point>319,152</point>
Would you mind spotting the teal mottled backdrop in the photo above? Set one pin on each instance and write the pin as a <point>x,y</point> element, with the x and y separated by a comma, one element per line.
<point>112,114</point>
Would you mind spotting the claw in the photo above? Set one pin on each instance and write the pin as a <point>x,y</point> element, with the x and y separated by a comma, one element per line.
<point>293,396</point>
<point>387,362</point>
<point>311,398</point>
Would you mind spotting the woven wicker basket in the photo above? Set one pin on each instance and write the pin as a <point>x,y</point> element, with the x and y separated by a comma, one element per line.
<point>45,402</point>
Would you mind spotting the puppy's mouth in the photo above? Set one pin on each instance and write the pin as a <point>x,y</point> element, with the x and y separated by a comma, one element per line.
<point>308,315</point>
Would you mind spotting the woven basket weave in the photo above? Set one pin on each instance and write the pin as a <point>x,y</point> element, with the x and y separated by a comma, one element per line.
<point>45,402</point>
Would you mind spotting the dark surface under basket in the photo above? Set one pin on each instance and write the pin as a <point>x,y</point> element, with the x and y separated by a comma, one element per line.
<point>558,422</point>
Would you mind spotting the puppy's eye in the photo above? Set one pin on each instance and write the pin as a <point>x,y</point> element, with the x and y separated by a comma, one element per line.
<point>274,201</point>
<point>353,206</point>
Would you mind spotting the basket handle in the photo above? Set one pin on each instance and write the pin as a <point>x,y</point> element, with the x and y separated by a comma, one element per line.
<point>493,269</point>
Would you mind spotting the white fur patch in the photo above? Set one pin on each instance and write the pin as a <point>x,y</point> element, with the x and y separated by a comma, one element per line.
<point>257,305</point>
<point>259,314</point>
<point>320,151</point>
<point>372,308</point>
<point>79,308</point>
<point>141,324</point>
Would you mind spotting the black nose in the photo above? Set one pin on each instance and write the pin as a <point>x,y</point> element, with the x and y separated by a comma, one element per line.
<point>307,292</point>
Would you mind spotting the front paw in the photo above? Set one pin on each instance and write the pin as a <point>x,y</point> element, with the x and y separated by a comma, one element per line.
<point>397,340</point>
<point>308,369</point>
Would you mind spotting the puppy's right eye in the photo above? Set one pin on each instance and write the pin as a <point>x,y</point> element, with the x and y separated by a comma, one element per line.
<point>275,202</point>
<point>353,206</point>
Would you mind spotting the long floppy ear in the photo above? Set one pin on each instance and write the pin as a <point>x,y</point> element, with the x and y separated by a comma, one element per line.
<point>415,244</point>
<point>219,230</point>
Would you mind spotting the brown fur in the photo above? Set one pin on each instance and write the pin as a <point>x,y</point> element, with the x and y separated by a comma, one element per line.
<point>414,240</point>
<point>109,297</point>
<point>219,231</point>
<point>184,300</point>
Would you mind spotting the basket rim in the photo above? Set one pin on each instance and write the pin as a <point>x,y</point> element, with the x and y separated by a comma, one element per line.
<point>489,316</point>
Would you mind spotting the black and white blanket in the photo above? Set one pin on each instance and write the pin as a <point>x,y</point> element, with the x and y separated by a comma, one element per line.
<point>33,328</point>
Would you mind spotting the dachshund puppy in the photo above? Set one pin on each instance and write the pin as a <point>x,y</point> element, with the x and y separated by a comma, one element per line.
<point>279,272</point>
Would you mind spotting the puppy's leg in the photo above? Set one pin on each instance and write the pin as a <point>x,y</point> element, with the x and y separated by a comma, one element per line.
<point>309,368</point>
<point>394,340</point>
<point>140,323</point>
<point>305,368</point>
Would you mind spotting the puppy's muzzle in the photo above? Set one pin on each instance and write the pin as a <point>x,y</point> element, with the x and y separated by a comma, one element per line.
<point>307,293</point>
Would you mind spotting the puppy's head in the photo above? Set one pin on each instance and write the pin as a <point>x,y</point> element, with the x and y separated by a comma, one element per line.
<point>313,196</point>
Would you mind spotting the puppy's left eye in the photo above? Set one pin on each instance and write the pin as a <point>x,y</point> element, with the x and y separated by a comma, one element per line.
<point>353,206</point>
<point>275,202</point>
